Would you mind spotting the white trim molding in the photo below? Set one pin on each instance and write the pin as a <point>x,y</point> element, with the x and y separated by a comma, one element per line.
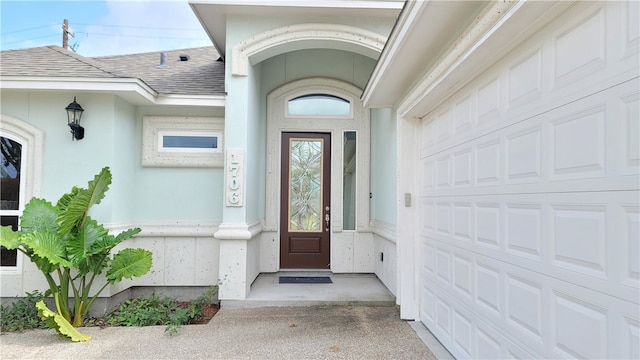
<point>154,127</point>
<point>167,230</point>
<point>384,229</point>
<point>302,36</point>
<point>33,138</point>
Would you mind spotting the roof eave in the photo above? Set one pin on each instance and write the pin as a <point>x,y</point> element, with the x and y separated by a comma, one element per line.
<point>495,30</point>
<point>192,100</point>
<point>212,14</point>
<point>132,90</point>
<point>423,31</point>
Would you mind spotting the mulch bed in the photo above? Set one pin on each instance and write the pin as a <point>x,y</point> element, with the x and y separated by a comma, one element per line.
<point>210,311</point>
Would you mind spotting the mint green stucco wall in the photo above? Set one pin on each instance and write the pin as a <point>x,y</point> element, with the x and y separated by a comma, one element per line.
<point>65,162</point>
<point>181,194</point>
<point>336,64</point>
<point>113,137</point>
<point>383,166</point>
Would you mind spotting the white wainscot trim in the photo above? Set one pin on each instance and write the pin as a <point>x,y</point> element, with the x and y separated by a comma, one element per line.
<point>384,229</point>
<point>239,231</point>
<point>167,230</point>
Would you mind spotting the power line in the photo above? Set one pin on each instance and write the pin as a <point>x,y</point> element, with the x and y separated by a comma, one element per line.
<point>33,28</point>
<point>111,26</point>
<point>140,36</point>
<point>141,27</point>
<point>23,40</point>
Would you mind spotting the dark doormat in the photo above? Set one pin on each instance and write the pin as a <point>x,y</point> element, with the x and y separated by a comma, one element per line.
<point>305,280</point>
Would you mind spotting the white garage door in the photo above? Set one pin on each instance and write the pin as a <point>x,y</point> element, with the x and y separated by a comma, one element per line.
<point>529,201</point>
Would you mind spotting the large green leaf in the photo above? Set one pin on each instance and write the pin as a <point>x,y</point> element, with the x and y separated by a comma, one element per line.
<point>80,246</point>
<point>9,238</point>
<point>43,263</point>
<point>129,263</point>
<point>59,323</point>
<point>64,201</point>
<point>127,234</point>
<point>93,264</point>
<point>39,215</point>
<point>78,206</point>
<point>106,243</point>
<point>47,245</point>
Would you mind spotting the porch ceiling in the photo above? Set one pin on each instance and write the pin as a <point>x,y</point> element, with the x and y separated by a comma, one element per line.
<point>212,14</point>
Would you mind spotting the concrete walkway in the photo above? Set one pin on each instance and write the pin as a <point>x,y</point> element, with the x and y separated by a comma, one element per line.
<point>315,332</point>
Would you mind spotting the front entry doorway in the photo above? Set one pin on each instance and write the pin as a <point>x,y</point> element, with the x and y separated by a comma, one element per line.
<point>305,201</point>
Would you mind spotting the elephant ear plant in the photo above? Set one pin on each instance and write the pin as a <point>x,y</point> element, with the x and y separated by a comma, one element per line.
<point>72,249</point>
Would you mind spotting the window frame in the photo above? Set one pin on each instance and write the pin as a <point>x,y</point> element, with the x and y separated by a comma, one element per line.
<point>22,196</point>
<point>154,154</point>
<point>163,133</point>
<point>342,96</point>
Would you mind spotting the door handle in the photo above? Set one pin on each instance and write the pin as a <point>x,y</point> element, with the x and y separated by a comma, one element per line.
<point>326,217</point>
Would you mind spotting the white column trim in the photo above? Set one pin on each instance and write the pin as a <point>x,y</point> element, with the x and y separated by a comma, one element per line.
<point>239,231</point>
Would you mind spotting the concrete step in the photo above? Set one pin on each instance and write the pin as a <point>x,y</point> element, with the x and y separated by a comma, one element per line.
<point>345,289</point>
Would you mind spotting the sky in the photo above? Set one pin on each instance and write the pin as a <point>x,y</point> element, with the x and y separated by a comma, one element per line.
<point>101,27</point>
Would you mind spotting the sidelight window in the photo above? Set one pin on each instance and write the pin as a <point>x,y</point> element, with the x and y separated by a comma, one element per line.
<point>349,180</point>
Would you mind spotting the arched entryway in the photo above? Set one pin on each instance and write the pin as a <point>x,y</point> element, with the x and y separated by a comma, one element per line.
<point>304,118</point>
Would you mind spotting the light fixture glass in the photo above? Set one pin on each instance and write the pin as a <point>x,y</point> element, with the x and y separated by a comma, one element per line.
<point>74,114</point>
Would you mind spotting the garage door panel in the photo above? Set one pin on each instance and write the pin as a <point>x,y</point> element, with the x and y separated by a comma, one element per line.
<point>524,78</point>
<point>524,156</point>
<point>597,137</point>
<point>579,144</point>
<point>631,28</point>
<point>629,340</point>
<point>586,238</point>
<point>630,238</point>
<point>630,135</point>
<point>541,312</point>
<point>579,238</point>
<point>579,47</point>
<point>529,198</point>
<point>571,314</point>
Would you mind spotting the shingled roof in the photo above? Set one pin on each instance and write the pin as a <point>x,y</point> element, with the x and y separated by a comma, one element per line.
<point>202,74</point>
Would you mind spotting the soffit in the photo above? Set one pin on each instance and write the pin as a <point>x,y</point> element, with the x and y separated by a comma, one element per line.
<point>213,14</point>
<point>423,32</point>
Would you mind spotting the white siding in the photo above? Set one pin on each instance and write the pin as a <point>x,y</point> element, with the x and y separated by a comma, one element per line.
<point>529,197</point>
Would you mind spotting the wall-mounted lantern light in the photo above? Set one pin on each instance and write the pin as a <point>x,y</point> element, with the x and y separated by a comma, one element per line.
<point>74,113</point>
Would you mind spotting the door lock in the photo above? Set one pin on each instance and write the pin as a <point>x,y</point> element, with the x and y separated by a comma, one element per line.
<point>327,217</point>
